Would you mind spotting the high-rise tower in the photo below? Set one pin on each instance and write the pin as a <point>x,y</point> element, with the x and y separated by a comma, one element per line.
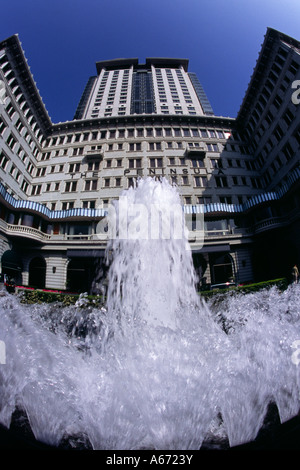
<point>160,86</point>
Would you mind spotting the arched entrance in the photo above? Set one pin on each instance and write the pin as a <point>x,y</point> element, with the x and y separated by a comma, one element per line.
<point>11,263</point>
<point>37,273</point>
<point>11,272</point>
<point>80,274</point>
<point>222,268</point>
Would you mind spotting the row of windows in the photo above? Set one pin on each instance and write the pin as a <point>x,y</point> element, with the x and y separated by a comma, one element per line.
<point>198,181</point>
<point>286,153</point>
<point>9,75</point>
<point>172,86</point>
<point>138,132</point>
<point>94,166</point>
<point>12,139</point>
<point>111,92</point>
<point>215,163</point>
<point>269,86</point>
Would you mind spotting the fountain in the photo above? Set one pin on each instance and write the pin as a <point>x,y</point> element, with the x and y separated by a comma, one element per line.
<point>158,368</point>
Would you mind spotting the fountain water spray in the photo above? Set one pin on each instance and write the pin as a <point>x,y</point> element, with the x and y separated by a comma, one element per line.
<point>158,369</point>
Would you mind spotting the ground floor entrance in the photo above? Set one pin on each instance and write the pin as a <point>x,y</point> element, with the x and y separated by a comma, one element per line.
<point>86,274</point>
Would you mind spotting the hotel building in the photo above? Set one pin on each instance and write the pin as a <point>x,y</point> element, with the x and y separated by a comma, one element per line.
<point>153,119</point>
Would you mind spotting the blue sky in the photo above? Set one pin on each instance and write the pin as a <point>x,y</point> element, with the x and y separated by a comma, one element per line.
<point>63,39</point>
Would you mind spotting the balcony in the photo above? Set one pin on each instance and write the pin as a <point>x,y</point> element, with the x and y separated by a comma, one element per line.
<point>94,154</point>
<point>24,231</point>
<point>271,223</point>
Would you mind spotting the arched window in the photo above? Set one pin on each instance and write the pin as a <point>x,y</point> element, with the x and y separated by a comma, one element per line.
<point>222,268</point>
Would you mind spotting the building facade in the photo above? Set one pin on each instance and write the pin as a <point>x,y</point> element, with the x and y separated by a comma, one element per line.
<point>137,120</point>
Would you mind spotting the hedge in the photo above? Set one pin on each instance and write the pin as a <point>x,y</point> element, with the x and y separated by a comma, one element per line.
<point>281,284</point>
<point>39,296</point>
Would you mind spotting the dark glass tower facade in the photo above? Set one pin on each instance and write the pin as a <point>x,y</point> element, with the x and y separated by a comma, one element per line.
<point>142,98</point>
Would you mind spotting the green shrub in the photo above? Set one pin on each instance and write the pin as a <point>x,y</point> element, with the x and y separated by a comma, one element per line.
<point>40,296</point>
<point>281,284</point>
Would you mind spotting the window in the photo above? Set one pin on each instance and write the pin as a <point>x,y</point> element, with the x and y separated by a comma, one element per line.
<point>226,199</point>
<point>67,205</point>
<point>135,147</point>
<point>155,146</point>
<point>36,189</point>
<point>278,133</point>
<point>288,151</point>
<point>2,126</point>
<point>135,163</point>
<point>156,162</point>
<point>197,163</point>
<point>149,132</point>
<point>71,186</point>
<point>78,151</point>
<point>93,166</point>
<point>277,101</point>
<point>11,141</point>
<point>118,182</point>
<point>89,204</point>
<point>74,167</point>
<point>24,185</point>
<point>288,117</point>
<point>41,171</point>
<point>91,185</point>
<point>3,161</point>
<point>221,182</point>
<point>106,182</point>
<point>216,163</point>
<point>204,133</point>
<point>200,181</point>
<point>212,147</point>
<point>204,200</point>
<point>131,182</point>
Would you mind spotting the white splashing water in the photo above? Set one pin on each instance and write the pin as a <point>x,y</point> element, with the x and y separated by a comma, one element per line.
<point>157,369</point>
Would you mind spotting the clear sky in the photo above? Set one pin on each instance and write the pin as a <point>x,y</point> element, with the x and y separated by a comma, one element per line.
<point>63,39</point>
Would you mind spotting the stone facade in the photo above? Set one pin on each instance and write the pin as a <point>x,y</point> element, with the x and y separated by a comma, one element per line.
<point>154,119</point>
